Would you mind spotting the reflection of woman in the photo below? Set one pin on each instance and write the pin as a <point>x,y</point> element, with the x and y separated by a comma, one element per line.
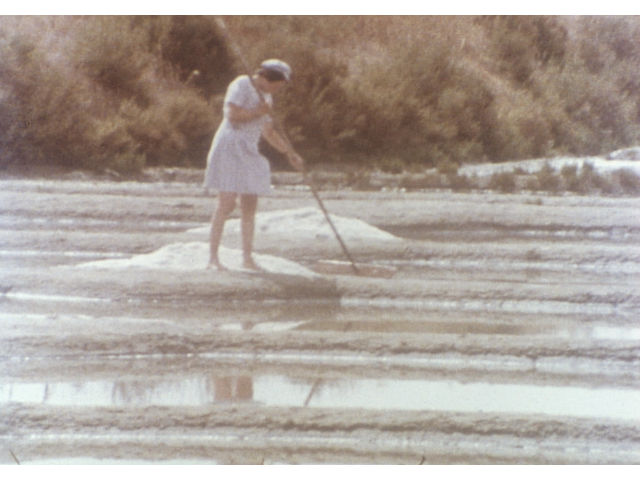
<point>232,389</point>
<point>234,165</point>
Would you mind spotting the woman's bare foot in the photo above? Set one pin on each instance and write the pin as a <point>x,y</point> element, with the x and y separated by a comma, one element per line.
<point>217,266</point>
<point>251,264</point>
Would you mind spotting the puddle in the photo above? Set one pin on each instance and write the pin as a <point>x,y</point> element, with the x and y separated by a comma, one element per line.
<point>383,327</point>
<point>481,232</point>
<point>55,298</point>
<point>609,333</point>
<point>288,318</point>
<point>532,306</point>
<point>262,327</point>
<point>402,326</point>
<point>61,254</point>
<point>96,461</point>
<point>463,328</point>
<point>378,394</point>
<point>19,222</point>
<point>479,397</point>
<point>611,267</point>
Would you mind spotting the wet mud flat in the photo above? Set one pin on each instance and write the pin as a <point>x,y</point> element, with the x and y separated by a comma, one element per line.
<point>509,333</point>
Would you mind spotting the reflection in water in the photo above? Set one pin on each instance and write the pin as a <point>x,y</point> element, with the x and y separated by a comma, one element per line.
<point>195,391</point>
<point>318,317</point>
<point>378,394</point>
<point>186,392</point>
<point>114,461</point>
<point>564,331</point>
<point>413,326</point>
<point>412,323</point>
<point>233,389</point>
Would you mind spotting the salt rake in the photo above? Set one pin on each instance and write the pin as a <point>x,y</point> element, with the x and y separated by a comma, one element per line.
<point>322,266</point>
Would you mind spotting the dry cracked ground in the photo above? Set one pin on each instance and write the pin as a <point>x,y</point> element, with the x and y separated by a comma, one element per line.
<point>509,333</point>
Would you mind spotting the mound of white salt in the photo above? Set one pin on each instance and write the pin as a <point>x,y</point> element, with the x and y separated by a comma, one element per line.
<point>195,255</point>
<point>305,224</point>
<point>629,154</point>
<point>600,164</point>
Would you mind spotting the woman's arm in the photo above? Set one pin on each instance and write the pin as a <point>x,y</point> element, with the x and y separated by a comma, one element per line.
<point>237,114</point>
<point>272,136</point>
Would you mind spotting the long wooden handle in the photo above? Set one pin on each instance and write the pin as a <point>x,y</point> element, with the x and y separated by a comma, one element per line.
<point>328,218</point>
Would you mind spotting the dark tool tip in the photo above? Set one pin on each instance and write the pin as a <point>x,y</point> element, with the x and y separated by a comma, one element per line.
<point>14,457</point>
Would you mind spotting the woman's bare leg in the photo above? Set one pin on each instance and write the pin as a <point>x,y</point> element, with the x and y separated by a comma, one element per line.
<point>226,203</point>
<point>248,207</point>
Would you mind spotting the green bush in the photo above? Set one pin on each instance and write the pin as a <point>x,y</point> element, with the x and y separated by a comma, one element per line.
<point>569,173</point>
<point>194,43</point>
<point>114,52</point>
<point>421,181</point>
<point>503,181</point>
<point>590,181</point>
<point>118,92</point>
<point>107,100</point>
<point>548,179</point>
<point>523,43</point>
<point>46,109</point>
<point>459,182</point>
<point>628,180</point>
<point>448,168</point>
<point>360,179</point>
<point>392,165</point>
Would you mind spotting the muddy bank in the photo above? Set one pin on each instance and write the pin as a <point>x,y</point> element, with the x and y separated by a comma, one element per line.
<point>240,435</point>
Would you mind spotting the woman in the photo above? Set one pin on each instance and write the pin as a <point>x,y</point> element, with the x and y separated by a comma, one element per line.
<point>234,165</point>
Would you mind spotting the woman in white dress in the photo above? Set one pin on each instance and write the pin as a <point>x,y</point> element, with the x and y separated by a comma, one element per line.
<point>234,165</point>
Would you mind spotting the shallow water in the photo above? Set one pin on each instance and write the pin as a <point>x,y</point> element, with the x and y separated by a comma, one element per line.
<point>61,254</point>
<point>495,265</point>
<point>105,461</point>
<point>92,224</point>
<point>484,232</point>
<point>378,394</point>
<point>532,306</point>
<point>318,317</point>
<point>481,397</point>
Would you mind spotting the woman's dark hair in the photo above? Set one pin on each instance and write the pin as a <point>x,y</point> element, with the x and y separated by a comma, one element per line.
<point>271,75</point>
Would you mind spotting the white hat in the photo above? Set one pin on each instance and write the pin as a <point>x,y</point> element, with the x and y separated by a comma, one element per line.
<point>278,66</point>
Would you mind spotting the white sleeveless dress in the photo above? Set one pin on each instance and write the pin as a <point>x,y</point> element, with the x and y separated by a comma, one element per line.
<point>234,163</point>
